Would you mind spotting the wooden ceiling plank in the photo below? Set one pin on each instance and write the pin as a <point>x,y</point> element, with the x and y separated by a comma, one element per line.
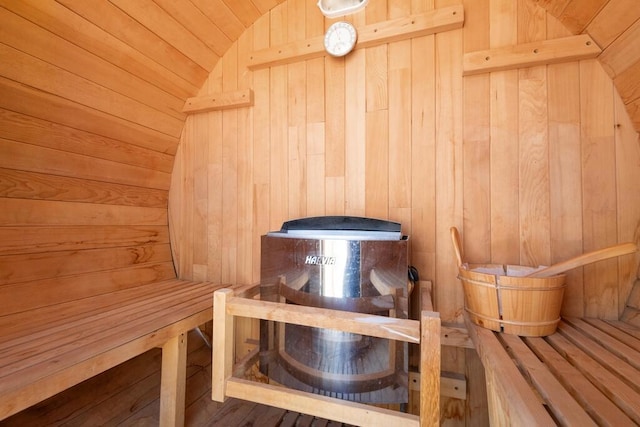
<point>623,52</point>
<point>39,43</point>
<point>245,11</point>
<point>33,102</point>
<point>613,20</point>
<point>158,21</point>
<point>578,14</point>
<point>35,131</point>
<point>68,25</point>
<point>46,77</point>
<point>530,54</point>
<point>223,17</point>
<point>116,22</point>
<point>198,23</point>
<point>265,6</point>
<point>32,158</point>
<point>628,83</point>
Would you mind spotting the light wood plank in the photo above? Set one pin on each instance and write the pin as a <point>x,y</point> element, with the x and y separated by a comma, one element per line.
<point>21,212</point>
<point>439,20</point>
<point>220,101</point>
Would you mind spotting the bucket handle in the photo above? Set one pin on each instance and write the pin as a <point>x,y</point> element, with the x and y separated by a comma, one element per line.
<point>455,238</point>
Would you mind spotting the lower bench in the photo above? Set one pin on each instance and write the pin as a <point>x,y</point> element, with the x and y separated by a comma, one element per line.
<point>47,350</point>
<point>587,373</point>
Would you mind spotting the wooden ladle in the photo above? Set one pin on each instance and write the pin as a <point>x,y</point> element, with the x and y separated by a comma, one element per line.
<point>587,258</point>
<point>455,238</point>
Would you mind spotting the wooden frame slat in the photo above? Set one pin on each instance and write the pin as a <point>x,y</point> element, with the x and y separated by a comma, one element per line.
<point>219,101</point>
<point>438,20</point>
<point>554,51</point>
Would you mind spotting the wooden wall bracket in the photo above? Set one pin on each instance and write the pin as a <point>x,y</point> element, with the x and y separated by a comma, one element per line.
<point>511,57</point>
<point>438,20</point>
<point>219,101</point>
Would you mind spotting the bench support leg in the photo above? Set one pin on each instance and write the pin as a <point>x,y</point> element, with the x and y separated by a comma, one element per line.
<point>172,389</point>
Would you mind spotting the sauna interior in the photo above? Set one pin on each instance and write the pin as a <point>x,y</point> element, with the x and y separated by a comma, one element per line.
<point>152,140</point>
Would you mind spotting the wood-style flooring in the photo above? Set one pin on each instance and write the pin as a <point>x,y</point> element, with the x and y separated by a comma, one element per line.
<point>128,395</point>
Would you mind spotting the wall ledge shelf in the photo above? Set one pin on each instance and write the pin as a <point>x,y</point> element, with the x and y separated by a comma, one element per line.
<point>524,55</point>
<point>435,21</point>
<point>219,101</point>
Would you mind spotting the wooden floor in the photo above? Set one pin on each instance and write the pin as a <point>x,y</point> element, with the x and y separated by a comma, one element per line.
<point>128,395</point>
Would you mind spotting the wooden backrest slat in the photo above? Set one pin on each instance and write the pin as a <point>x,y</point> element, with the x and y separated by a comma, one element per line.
<point>32,267</point>
<point>41,293</point>
<point>564,407</point>
<point>596,404</point>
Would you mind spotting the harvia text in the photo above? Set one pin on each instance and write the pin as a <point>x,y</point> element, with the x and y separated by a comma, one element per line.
<point>320,260</point>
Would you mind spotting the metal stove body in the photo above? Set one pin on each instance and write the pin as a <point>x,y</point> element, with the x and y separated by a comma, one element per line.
<point>343,263</point>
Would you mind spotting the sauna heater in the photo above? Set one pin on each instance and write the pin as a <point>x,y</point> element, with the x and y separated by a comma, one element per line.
<point>343,263</point>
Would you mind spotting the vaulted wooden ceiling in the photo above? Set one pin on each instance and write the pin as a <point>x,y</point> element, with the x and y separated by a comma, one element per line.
<point>157,53</point>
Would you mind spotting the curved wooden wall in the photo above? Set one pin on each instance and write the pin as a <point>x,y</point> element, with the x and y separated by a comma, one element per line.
<point>533,165</point>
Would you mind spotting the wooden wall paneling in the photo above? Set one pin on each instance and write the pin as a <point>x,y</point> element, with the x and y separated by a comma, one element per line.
<point>315,117</point>
<point>116,22</point>
<point>41,293</point>
<point>62,21</point>
<point>216,203</point>
<point>37,42</point>
<point>612,20</point>
<point>229,140</point>
<point>37,266</point>
<point>378,138</point>
<point>533,161</point>
<point>297,162</point>
<point>565,173</point>
<point>335,135</point>
<point>278,153</point>
<point>35,239</point>
<point>245,167</point>
<point>377,164</point>
<point>599,189</point>
<point>627,143</point>
<point>355,128</point>
<point>35,131</point>
<point>449,134</point>
<point>477,142</point>
<point>246,329</point>
<point>32,102</point>
<point>423,159</point>
<point>32,158</point>
<point>261,145</point>
<point>505,244</point>
<point>24,212</point>
<point>37,73</point>
<point>29,185</point>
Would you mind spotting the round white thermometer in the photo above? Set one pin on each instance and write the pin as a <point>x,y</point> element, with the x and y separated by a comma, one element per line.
<point>340,38</point>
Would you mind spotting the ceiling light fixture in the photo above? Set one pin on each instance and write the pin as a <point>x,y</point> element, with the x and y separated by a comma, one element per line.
<point>335,8</point>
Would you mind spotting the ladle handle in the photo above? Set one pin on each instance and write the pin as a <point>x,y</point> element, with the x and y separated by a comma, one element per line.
<point>588,258</point>
<point>455,238</point>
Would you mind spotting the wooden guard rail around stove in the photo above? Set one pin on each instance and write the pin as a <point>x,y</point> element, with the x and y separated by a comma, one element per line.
<point>227,381</point>
<point>586,373</point>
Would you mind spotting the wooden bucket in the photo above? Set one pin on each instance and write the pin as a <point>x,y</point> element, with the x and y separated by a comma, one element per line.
<point>504,301</point>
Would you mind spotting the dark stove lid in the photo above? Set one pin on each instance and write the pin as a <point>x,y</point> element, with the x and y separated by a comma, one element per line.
<point>342,227</point>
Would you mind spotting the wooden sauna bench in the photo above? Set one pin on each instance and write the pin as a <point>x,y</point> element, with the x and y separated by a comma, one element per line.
<point>48,349</point>
<point>586,373</point>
